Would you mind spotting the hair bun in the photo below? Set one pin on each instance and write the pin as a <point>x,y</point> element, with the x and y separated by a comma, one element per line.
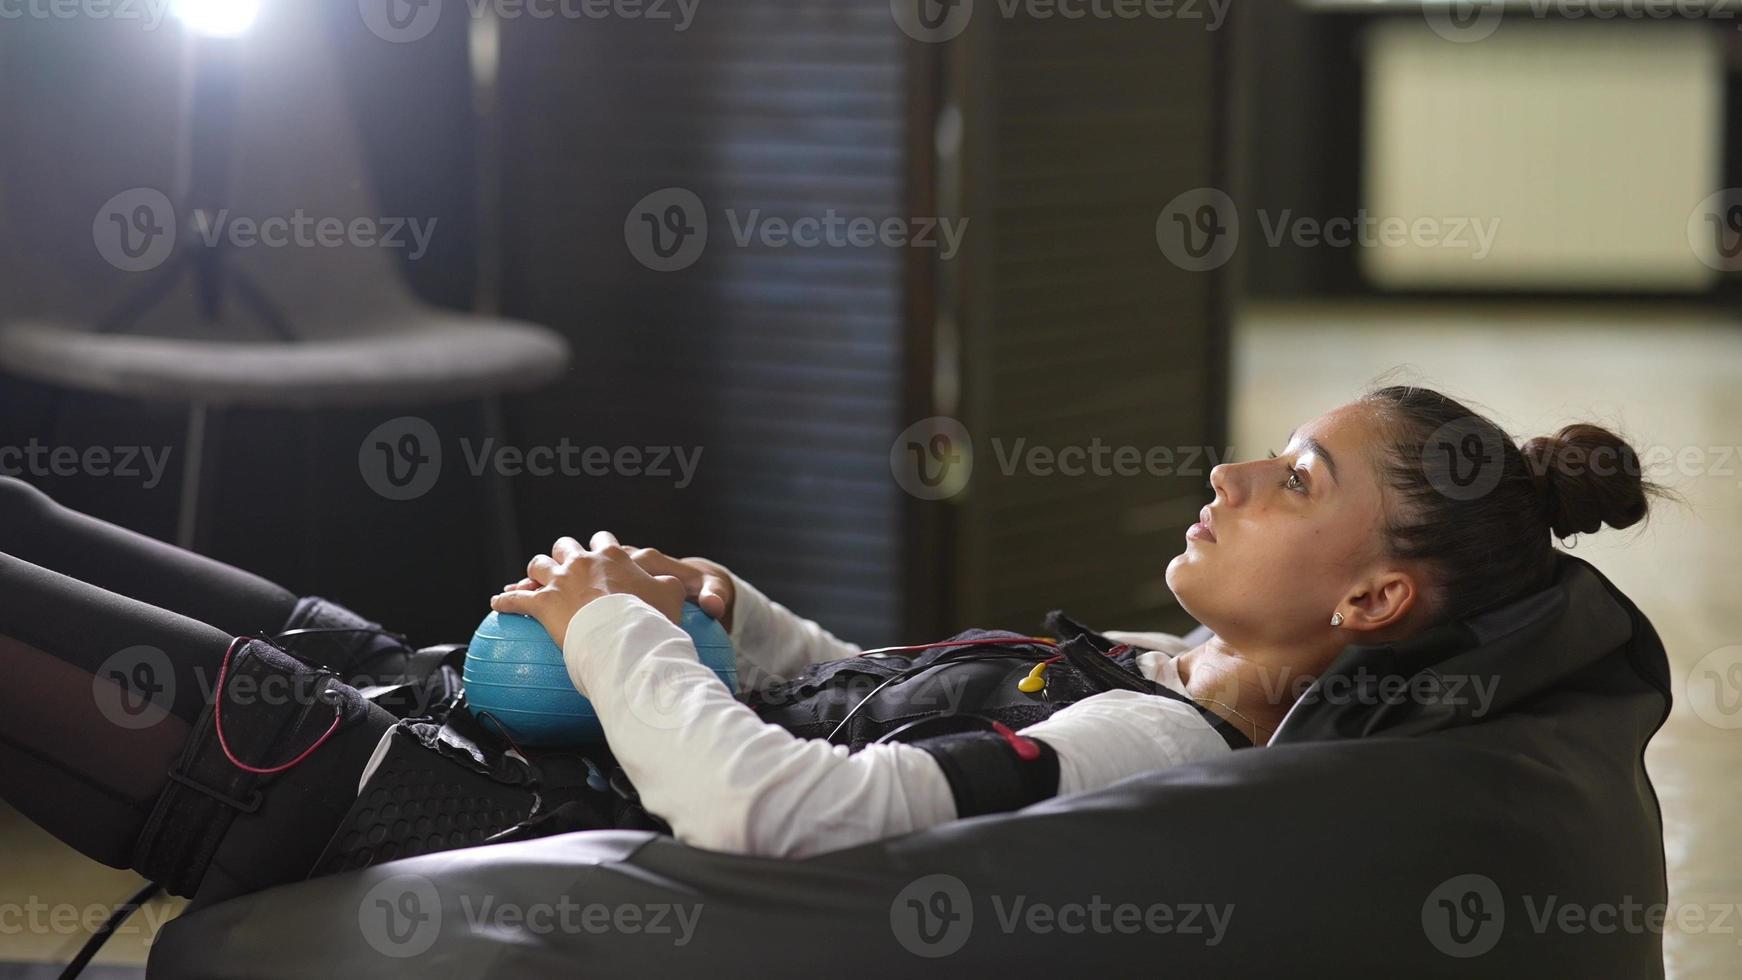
<point>1586,477</point>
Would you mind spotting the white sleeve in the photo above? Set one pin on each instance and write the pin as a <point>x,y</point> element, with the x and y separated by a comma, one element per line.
<point>1108,736</point>
<point>774,643</point>
<point>726,780</point>
<point>722,777</point>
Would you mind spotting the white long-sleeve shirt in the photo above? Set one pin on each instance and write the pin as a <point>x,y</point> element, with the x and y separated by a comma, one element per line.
<point>726,780</point>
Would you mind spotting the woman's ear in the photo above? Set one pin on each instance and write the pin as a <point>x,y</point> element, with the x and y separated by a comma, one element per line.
<point>1381,604</point>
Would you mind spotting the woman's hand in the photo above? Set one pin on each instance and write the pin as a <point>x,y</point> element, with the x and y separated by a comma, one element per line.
<point>560,584</point>
<point>706,584</point>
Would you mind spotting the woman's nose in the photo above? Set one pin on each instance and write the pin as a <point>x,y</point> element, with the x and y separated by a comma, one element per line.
<point>1232,481</point>
<point>1222,479</point>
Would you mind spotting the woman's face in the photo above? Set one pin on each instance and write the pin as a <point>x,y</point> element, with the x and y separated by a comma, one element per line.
<point>1288,540</point>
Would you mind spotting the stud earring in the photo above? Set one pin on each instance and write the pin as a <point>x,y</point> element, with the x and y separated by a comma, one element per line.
<point>1336,619</point>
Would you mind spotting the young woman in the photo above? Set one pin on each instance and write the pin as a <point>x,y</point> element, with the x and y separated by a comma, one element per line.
<point>1390,514</point>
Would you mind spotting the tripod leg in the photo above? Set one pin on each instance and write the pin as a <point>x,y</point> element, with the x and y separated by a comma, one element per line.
<point>260,304</point>
<point>127,313</point>
<point>501,549</point>
<point>193,469</point>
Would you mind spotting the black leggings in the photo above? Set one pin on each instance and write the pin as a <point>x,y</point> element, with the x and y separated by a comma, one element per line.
<point>83,603</point>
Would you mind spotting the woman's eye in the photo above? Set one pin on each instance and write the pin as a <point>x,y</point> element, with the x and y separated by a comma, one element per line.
<point>1294,482</point>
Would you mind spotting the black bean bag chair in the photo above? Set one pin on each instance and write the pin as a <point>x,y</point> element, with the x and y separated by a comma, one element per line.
<point>1471,803</point>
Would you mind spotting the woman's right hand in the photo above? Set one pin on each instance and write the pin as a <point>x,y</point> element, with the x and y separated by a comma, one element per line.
<point>705,583</point>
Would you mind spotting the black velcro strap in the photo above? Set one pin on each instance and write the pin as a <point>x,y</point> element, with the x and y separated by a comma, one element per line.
<point>206,791</point>
<point>987,775</point>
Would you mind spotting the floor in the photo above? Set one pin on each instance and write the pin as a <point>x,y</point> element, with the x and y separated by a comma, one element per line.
<point>1660,376</point>
<point>1664,377</point>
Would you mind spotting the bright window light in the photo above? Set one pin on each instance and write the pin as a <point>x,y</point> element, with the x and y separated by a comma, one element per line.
<point>218,18</point>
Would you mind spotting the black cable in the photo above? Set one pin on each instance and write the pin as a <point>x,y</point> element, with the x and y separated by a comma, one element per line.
<point>890,735</point>
<point>945,660</point>
<point>107,929</point>
<point>401,639</point>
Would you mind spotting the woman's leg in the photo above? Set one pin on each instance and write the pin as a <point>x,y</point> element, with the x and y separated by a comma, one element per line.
<point>100,694</point>
<point>36,529</point>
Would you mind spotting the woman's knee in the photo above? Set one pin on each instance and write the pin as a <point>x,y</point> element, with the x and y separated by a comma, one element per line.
<point>20,500</point>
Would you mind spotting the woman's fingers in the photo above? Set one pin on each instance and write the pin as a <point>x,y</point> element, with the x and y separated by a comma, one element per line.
<point>513,602</point>
<point>542,569</point>
<point>657,563</point>
<point>524,585</point>
<point>602,540</point>
<point>714,598</point>
<point>565,548</point>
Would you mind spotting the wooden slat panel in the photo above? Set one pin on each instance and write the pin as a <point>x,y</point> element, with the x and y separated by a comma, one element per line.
<point>1077,328</point>
<point>785,365</point>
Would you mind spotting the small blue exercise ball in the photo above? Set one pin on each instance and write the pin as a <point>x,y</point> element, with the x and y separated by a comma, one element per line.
<point>516,681</point>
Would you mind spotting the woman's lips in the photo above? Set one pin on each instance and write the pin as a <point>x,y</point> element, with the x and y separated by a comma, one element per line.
<point>1201,530</point>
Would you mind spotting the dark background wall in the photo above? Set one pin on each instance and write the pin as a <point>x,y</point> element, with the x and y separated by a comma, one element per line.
<point>791,370</point>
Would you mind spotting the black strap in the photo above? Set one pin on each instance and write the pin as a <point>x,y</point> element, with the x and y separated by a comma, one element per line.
<point>205,791</point>
<point>987,775</point>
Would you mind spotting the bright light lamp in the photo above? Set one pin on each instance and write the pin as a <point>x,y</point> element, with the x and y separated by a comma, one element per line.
<point>216,18</point>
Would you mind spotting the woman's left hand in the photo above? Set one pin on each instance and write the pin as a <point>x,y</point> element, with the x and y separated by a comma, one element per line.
<point>559,584</point>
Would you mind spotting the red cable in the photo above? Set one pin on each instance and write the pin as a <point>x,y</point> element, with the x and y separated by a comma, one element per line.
<point>1025,748</point>
<point>218,724</point>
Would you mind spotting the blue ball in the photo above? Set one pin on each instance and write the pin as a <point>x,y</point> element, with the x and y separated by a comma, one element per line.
<point>515,675</point>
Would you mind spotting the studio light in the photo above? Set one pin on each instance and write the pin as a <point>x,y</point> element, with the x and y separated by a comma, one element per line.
<point>216,18</point>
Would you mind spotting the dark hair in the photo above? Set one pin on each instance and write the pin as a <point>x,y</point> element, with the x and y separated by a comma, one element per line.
<point>1480,511</point>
